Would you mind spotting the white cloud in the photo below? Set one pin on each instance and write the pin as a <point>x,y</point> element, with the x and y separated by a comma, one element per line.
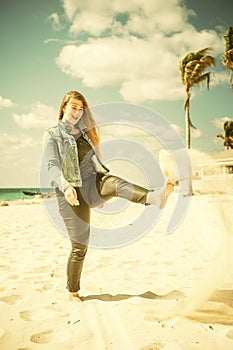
<point>142,17</point>
<point>54,18</point>
<point>196,133</point>
<point>115,60</point>
<point>140,48</point>
<point>219,78</point>
<point>40,117</point>
<point>12,143</point>
<point>219,122</point>
<point>51,40</point>
<point>6,102</point>
<point>157,16</point>
<point>137,91</point>
<point>20,160</point>
<point>191,40</point>
<point>70,7</point>
<point>95,25</point>
<point>179,130</point>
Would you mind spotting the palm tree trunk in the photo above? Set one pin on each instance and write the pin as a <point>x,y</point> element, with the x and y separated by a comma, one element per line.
<point>187,128</point>
<point>187,119</point>
<point>186,185</point>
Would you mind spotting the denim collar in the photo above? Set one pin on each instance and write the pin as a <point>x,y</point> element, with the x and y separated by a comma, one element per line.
<point>67,128</point>
<point>64,127</point>
<point>81,125</point>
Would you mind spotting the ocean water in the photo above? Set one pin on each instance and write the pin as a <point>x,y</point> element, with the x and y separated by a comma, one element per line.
<point>9,194</point>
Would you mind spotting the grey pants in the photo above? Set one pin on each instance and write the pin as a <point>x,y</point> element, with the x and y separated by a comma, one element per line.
<point>95,190</point>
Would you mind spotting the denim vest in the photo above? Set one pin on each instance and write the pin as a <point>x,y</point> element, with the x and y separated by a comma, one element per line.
<point>61,153</point>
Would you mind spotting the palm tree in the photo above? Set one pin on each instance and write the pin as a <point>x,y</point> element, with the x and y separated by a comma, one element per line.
<point>227,59</point>
<point>228,137</point>
<point>192,68</point>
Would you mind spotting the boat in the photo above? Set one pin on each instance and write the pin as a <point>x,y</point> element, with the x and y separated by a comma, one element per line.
<point>31,193</point>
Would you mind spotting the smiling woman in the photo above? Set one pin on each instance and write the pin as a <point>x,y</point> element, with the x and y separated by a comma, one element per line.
<point>73,111</point>
<point>73,160</point>
<point>73,107</point>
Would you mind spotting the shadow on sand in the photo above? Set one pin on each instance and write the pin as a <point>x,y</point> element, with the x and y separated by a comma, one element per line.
<point>218,309</point>
<point>175,294</point>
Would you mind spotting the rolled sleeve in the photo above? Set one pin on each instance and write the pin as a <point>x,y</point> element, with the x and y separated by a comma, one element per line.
<point>54,164</point>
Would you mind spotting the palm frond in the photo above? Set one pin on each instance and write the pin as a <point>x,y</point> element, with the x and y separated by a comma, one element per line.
<point>204,77</point>
<point>194,70</point>
<point>208,61</point>
<point>191,58</point>
<point>191,124</point>
<point>202,53</point>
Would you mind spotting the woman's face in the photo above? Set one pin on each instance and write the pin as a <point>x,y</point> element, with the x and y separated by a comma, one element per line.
<point>72,111</point>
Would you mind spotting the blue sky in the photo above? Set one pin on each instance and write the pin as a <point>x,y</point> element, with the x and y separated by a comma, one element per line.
<point>110,51</point>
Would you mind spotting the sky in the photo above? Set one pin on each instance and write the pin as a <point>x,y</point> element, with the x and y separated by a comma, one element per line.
<point>118,51</point>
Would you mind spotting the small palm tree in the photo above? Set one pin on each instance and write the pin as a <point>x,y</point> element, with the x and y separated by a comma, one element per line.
<point>227,59</point>
<point>228,137</point>
<point>192,68</point>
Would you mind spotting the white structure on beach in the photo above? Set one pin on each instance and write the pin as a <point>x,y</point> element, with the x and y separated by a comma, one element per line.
<point>215,174</point>
<point>208,173</point>
<point>220,164</point>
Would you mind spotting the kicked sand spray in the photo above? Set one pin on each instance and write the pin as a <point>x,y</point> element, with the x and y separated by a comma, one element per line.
<point>214,223</point>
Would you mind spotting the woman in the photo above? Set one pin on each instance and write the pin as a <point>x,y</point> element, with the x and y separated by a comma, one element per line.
<point>82,181</point>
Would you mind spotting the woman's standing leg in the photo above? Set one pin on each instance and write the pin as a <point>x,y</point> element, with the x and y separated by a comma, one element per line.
<point>74,268</point>
<point>77,221</point>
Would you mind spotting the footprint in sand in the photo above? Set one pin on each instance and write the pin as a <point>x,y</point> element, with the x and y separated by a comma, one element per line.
<point>153,346</point>
<point>43,337</point>
<point>11,299</point>
<point>45,286</point>
<point>51,336</point>
<point>41,314</point>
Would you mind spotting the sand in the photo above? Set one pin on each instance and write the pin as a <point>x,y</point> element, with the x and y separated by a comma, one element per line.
<point>164,291</point>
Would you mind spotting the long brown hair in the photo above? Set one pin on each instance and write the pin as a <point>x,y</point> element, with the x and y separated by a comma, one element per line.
<point>92,129</point>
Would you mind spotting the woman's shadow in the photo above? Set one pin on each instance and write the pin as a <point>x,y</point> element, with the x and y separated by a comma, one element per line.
<point>175,294</point>
<point>217,310</point>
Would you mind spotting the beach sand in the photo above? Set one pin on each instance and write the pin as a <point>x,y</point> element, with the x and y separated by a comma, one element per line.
<point>164,291</point>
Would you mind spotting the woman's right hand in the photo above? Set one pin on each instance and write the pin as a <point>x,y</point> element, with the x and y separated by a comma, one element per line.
<point>71,196</point>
